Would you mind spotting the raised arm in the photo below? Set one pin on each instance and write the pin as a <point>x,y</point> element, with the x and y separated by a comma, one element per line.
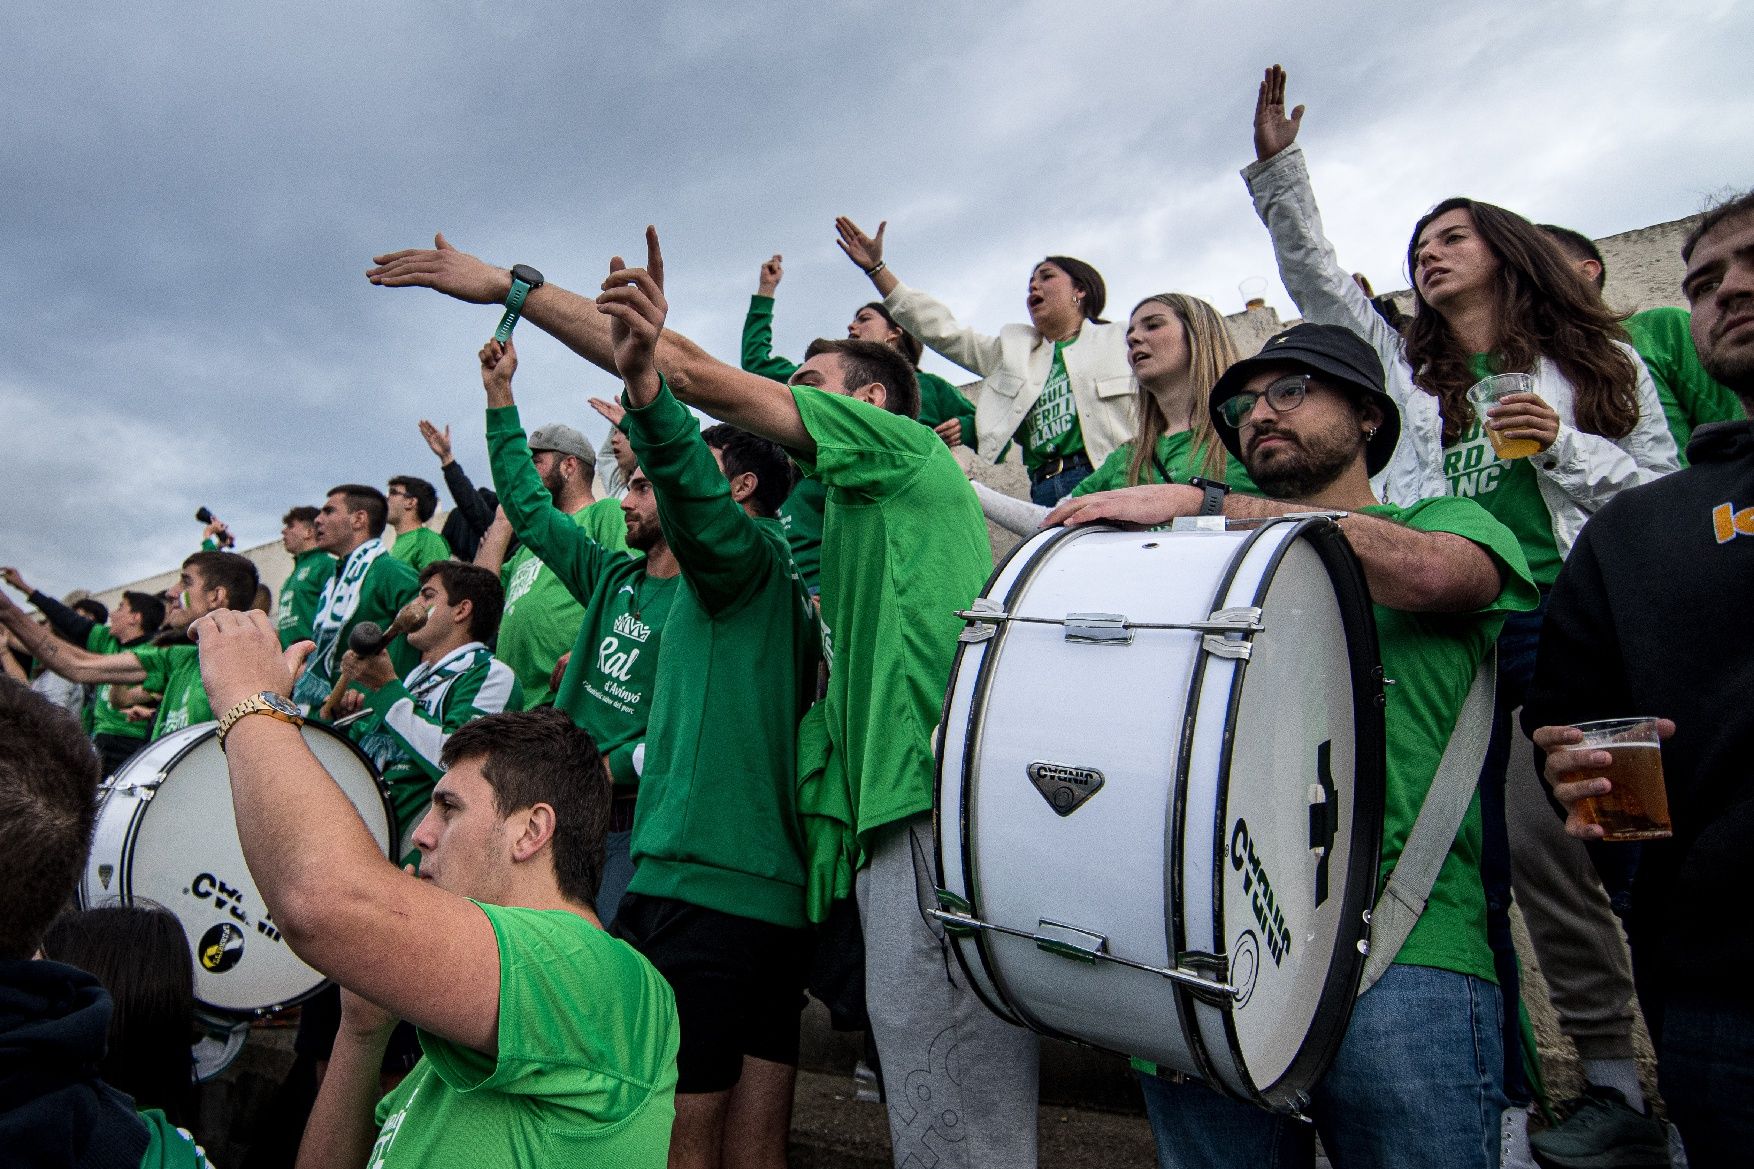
<point>1310,269</point>
<point>72,662</point>
<point>758,354</point>
<point>754,403</point>
<point>1406,569</point>
<point>71,624</point>
<point>433,958</point>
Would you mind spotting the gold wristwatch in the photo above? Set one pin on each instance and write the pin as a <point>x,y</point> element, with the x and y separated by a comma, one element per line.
<point>268,703</point>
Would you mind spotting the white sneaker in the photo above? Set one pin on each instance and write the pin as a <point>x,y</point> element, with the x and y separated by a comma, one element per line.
<point>1513,1139</point>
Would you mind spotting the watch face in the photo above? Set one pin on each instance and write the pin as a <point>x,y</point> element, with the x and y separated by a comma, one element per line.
<point>527,274</point>
<point>283,705</point>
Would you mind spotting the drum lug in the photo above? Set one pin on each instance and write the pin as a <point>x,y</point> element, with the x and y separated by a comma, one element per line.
<point>1098,629</point>
<point>1068,941</point>
<point>983,617</point>
<point>1214,969</point>
<point>955,913</point>
<point>1223,647</point>
<point>977,633</point>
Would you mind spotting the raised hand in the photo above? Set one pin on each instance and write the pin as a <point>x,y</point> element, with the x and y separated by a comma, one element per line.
<point>439,441</point>
<point>241,656</point>
<point>771,272</point>
<point>444,268</point>
<point>864,250</point>
<point>633,300</point>
<point>11,576</point>
<point>498,363</point>
<point>1273,130</point>
<point>613,411</point>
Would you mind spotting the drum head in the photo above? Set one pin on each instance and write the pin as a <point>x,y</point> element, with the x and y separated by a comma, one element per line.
<point>185,856</point>
<point>1295,840</point>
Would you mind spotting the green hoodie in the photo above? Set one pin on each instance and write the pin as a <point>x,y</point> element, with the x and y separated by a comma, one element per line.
<point>607,687</point>
<point>717,821</point>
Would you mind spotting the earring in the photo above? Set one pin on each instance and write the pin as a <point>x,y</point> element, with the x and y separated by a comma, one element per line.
<point>1369,433</point>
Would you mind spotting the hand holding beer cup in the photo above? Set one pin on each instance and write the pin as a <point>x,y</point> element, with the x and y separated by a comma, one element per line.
<point>1609,776</point>
<point>1515,418</point>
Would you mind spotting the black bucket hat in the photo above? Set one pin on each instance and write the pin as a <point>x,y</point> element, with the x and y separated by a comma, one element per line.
<point>1331,351</point>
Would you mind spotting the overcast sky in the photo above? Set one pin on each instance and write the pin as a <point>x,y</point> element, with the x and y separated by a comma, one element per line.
<point>193,191</point>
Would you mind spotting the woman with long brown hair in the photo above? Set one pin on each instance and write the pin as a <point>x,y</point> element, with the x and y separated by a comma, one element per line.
<point>1492,295</point>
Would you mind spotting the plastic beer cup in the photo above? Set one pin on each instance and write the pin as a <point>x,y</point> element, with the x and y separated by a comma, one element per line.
<point>1637,806</point>
<point>1487,393</point>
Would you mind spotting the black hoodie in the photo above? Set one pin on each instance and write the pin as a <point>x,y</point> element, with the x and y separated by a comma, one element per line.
<point>1653,614</point>
<point>54,1110</point>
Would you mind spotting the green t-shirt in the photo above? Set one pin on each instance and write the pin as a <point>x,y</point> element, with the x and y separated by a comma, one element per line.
<point>167,1146</point>
<point>302,593</point>
<point>1429,661</point>
<point>801,519</point>
<point>106,719</point>
<point>1176,454</point>
<point>1051,428</point>
<point>541,618</point>
<point>586,1067</point>
<point>174,672</point>
<point>1691,397</point>
<point>1507,488</point>
<point>607,686</point>
<point>420,547</point>
<point>904,546</point>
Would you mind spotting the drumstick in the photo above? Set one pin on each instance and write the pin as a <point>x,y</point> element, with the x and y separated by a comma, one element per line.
<point>367,639</point>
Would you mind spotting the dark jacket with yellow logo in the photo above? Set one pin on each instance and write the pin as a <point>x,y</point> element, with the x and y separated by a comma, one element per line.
<point>1652,616</point>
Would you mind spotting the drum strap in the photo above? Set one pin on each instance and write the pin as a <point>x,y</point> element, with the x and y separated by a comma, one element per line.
<point>1428,844</point>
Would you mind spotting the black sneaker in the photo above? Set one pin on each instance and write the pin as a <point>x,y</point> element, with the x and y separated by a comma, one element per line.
<point>1603,1132</point>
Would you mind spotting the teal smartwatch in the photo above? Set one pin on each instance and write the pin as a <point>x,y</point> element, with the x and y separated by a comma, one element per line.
<point>525,280</point>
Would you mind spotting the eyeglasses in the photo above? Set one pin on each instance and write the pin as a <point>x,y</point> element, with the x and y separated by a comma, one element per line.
<point>1284,396</point>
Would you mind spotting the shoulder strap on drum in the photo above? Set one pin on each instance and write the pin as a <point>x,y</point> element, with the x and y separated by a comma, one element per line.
<point>1440,817</point>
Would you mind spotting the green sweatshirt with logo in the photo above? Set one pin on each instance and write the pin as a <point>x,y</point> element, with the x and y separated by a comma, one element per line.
<point>717,820</point>
<point>607,687</point>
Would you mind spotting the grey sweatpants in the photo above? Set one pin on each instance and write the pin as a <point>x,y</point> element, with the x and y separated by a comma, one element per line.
<point>960,1082</point>
<point>1577,938</point>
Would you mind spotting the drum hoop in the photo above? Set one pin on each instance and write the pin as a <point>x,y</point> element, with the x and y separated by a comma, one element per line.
<point>1339,992</point>
<point>1036,547</point>
<point>124,893</point>
<point>1176,829</point>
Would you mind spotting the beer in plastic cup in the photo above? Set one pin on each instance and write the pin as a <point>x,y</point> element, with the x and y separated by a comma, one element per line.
<point>1637,806</point>
<point>1485,394</point>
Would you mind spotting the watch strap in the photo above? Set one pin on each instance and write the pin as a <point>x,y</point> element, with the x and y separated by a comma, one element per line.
<point>514,309</point>
<point>1213,493</point>
<point>254,704</point>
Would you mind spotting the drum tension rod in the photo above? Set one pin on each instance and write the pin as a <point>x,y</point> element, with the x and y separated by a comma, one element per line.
<point>1205,978</point>
<point>1221,627</point>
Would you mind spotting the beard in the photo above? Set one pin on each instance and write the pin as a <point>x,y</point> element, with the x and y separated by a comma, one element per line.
<point>1732,366</point>
<point>1305,465</point>
<point>553,480</point>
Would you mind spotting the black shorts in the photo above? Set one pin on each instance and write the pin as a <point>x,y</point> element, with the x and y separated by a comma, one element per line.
<point>739,984</point>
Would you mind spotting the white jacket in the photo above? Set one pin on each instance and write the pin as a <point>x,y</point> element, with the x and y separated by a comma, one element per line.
<point>1015,367</point>
<point>1577,474</point>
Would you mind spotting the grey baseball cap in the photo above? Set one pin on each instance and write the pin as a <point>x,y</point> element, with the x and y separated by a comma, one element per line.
<point>564,439</point>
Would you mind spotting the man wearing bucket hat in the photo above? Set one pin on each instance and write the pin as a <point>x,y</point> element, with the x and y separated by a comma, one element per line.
<point>1419,1073</point>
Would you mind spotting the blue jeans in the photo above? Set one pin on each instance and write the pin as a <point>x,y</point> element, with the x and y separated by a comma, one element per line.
<point>1416,1083</point>
<point>1050,490</point>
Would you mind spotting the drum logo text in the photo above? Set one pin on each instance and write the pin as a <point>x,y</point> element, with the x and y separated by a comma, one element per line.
<point>224,896</point>
<point>1064,786</point>
<point>1260,892</point>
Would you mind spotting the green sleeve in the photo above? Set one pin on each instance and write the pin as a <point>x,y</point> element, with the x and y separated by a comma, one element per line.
<point>1467,519</point>
<point>940,401</point>
<point>620,761</point>
<point>604,522</point>
<point>1690,396</point>
<point>861,448</point>
<point>1111,475</point>
<point>576,559</point>
<point>156,661</point>
<point>758,355</point>
<point>721,549</point>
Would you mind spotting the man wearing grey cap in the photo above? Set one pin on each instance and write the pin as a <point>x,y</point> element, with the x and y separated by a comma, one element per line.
<point>1418,1075</point>
<point>541,617</point>
<point>618,599</point>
